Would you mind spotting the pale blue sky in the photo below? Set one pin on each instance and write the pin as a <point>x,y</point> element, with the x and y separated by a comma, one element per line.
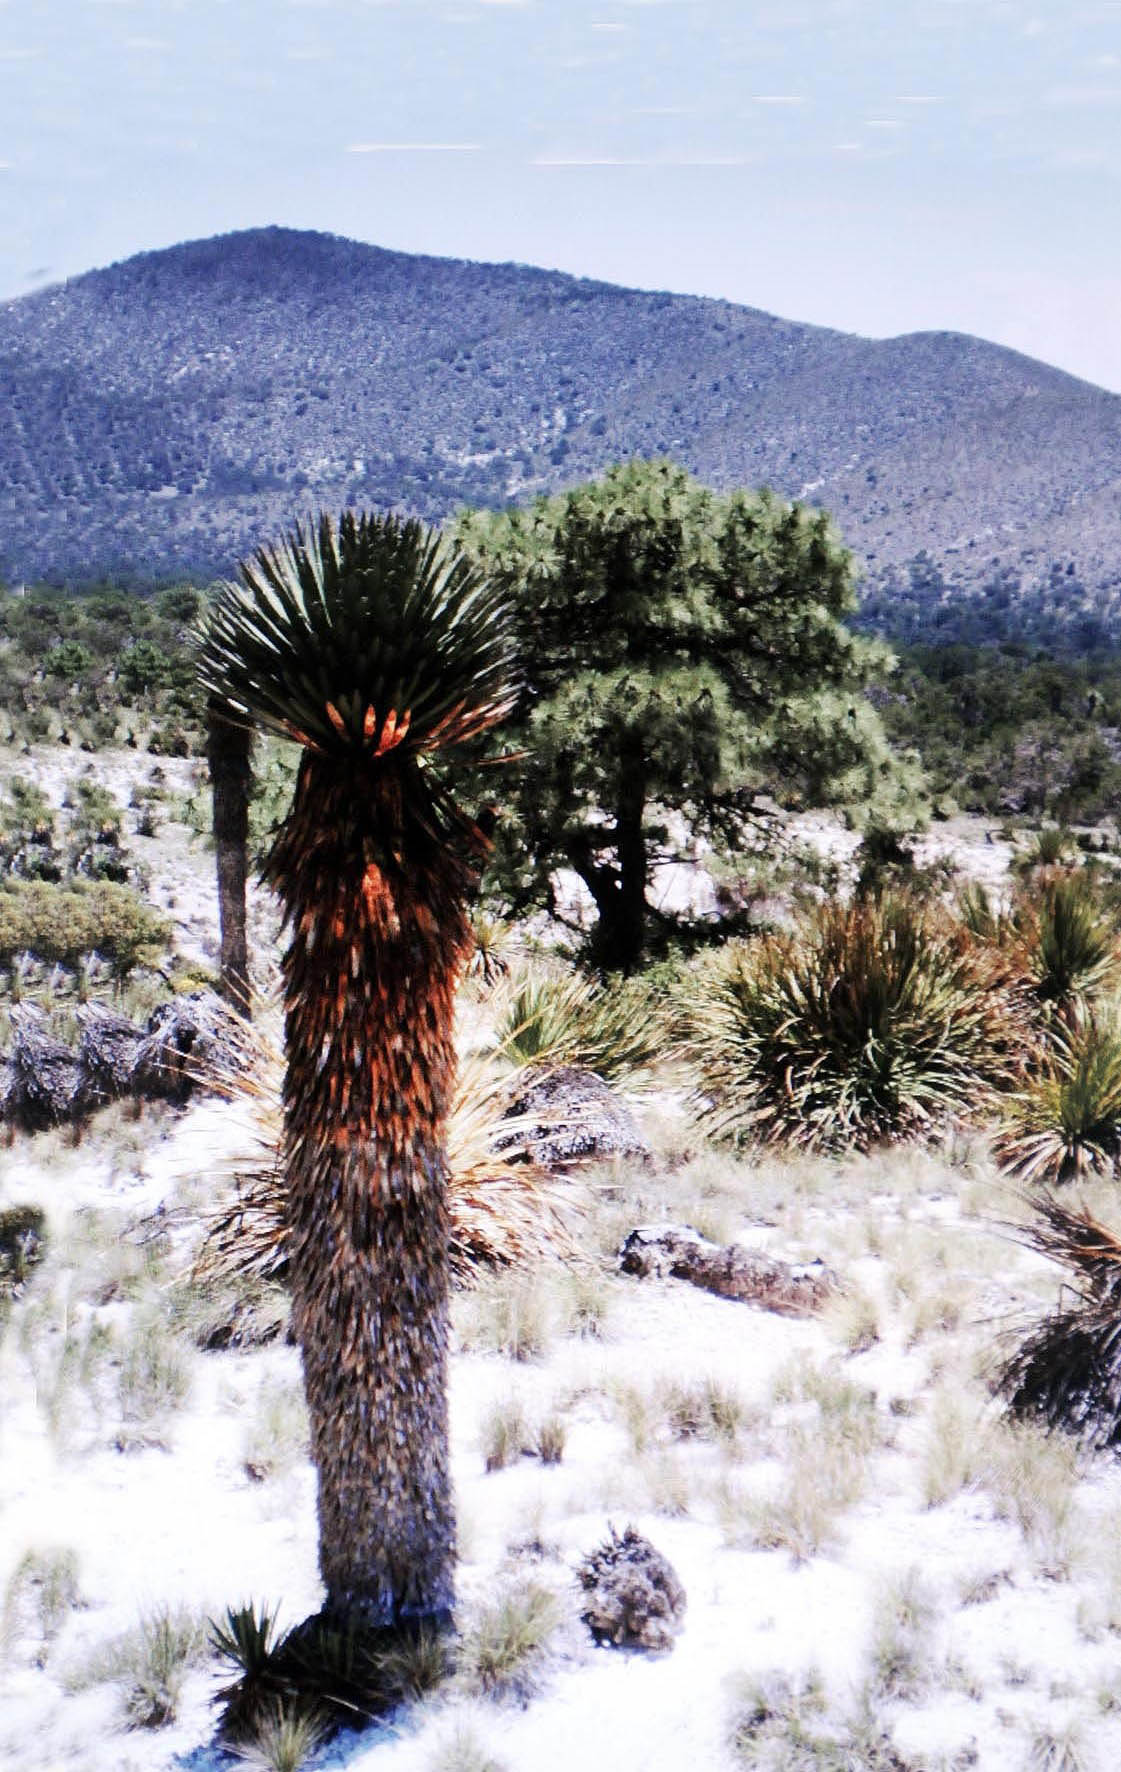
<point>876,165</point>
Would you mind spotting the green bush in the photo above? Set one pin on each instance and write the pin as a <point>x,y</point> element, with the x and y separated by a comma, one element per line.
<point>873,1021</point>
<point>65,924</point>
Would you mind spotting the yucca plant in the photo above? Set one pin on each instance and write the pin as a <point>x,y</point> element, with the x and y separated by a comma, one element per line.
<point>381,653</point>
<point>554,1017</point>
<point>1071,945</point>
<point>1066,1371</point>
<point>875,1020</point>
<point>1064,1123</point>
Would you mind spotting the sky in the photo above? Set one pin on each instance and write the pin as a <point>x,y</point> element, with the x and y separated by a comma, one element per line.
<point>881,166</point>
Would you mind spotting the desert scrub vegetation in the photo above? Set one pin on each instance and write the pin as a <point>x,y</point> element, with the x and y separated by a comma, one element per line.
<point>875,1020</point>
<point>68,925</point>
<point>277,1436</point>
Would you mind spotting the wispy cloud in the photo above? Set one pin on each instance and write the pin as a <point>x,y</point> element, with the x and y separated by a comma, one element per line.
<point>640,160</point>
<point>779,98</point>
<point>1078,98</point>
<point>414,148</point>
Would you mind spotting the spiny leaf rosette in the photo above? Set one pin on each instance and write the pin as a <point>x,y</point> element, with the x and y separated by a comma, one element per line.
<point>381,651</point>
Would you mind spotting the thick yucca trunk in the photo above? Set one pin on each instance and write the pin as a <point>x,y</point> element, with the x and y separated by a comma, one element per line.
<point>374,888</point>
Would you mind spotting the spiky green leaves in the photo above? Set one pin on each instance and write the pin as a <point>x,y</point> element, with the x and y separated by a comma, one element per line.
<point>366,638</point>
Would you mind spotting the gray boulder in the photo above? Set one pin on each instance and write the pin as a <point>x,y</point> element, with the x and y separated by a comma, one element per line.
<point>633,1596</point>
<point>568,1115</point>
<point>190,1044</point>
<point>107,1047</point>
<point>44,1083</point>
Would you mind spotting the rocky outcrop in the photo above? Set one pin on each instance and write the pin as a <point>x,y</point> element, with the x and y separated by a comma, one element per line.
<point>678,1251</point>
<point>633,1597</point>
<point>569,1115</point>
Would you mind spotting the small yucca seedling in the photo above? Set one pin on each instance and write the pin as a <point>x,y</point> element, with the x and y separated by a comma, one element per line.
<point>1066,1123</point>
<point>1071,944</point>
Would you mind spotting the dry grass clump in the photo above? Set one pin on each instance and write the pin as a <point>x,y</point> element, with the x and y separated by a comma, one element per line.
<point>153,1377</point>
<point>1031,1477</point>
<point>1057,1749</point>
<point>506,1641</point>
<point>149,1664</point>
<point>507,1313</point>
<point>41,1592</point>
<point>1066,1372</point>
<point>876,1020</point>
<point>776,1724</point>
<point>277,1437</point>
<point>465,1751</point>
<point>902,1646</point>
<point>284,1739</point>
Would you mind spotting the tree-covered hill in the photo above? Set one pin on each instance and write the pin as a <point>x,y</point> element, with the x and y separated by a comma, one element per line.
<point>161,416</point>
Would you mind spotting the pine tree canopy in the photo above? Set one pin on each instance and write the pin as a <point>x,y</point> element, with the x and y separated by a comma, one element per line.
<point>682,650</point>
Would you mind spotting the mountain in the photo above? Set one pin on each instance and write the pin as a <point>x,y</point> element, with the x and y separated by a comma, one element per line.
<point>163,415</point>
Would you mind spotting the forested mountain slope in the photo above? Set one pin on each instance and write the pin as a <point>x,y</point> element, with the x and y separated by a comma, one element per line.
<point>162,415</point>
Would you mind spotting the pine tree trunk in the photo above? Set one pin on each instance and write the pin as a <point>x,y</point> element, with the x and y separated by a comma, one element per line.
<point>374,901</point>
<point>229,751</point>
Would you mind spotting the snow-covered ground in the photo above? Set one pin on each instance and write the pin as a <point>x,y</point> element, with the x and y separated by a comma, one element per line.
<point>1012,1550</point>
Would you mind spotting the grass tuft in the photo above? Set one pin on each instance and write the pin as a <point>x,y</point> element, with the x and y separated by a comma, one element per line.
<point>508,1638</point>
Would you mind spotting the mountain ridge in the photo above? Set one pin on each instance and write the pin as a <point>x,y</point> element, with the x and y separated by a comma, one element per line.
<point>167,412</point>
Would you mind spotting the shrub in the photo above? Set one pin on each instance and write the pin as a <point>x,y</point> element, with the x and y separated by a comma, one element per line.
<point>1065,1123</point>
<point>66,924</point>
<point>874,1021</point>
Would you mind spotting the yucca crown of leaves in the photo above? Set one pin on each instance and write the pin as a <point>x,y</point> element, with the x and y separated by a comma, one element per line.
<point>363,638</point>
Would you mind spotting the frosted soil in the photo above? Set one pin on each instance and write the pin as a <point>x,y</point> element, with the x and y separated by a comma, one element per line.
<point>1013,1544</point>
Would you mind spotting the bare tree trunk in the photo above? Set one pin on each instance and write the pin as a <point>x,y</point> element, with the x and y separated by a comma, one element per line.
<point>229,744</point>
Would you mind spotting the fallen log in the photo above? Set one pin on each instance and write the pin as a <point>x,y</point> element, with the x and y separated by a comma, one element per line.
<point>681,1253</point>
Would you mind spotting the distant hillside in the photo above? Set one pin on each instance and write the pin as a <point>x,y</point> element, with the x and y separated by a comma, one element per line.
<point>163,415</point>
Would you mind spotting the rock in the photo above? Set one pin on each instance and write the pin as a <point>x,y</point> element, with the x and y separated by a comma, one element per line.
<point>44,1087</point>
<point>677,1250</point>
<point>23,1237</point>
<point>107,1049</point>
<point>634,1598</point>
<point>190,1043</point>
<point>570,1115</point>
